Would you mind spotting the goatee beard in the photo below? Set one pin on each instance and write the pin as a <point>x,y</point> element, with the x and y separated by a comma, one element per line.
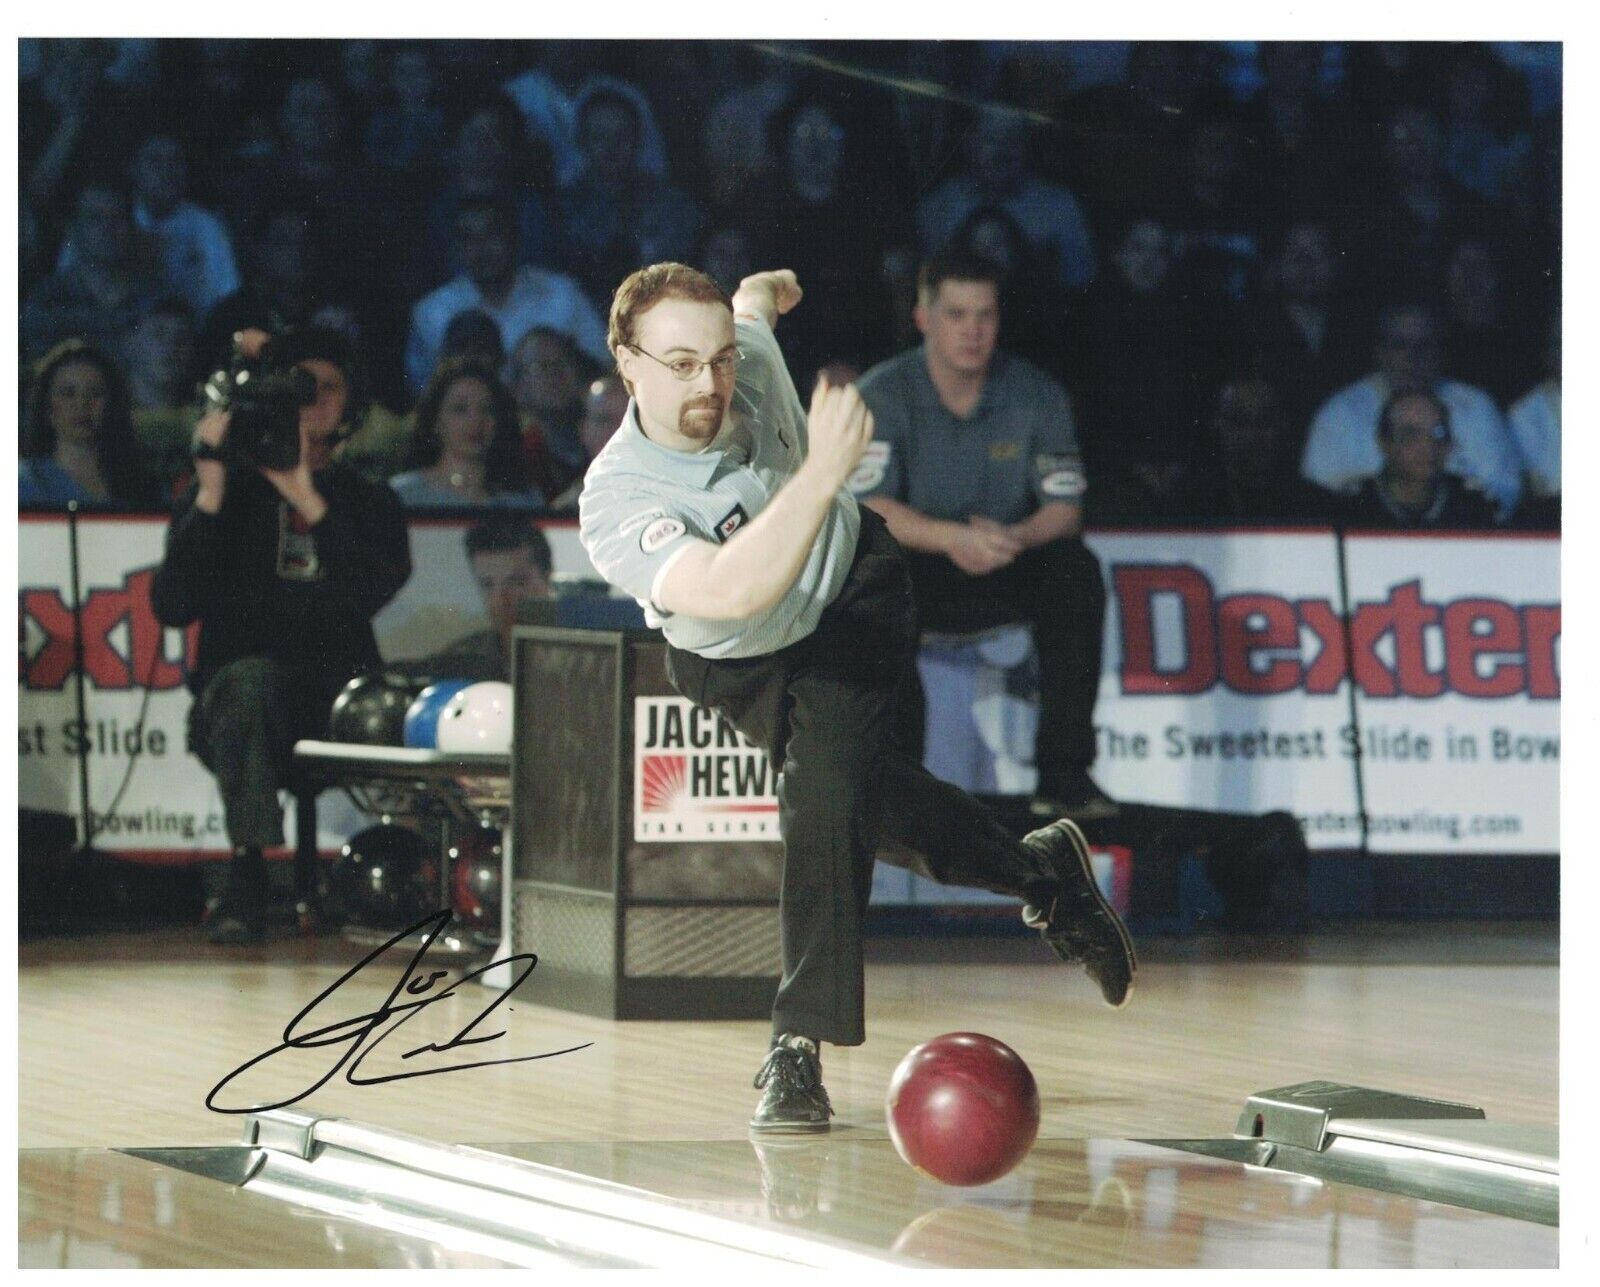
<point>684,421</point>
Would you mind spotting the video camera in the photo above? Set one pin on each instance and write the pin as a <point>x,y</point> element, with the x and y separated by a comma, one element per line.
<point>264,396</point>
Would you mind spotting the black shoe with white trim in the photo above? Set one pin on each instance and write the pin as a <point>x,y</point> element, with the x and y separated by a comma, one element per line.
<point>1073,915</point>
<point>794,1100</point>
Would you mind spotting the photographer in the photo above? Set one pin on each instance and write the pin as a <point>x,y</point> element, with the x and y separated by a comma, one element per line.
<point>283,556</point>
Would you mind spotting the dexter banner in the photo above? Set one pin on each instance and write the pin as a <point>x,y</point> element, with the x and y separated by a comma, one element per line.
<point>1455,647</point>
<point>1223,680</point>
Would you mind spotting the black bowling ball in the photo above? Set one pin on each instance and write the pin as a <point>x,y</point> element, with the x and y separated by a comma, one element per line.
<point>372,709</point>
<point>385,878</point>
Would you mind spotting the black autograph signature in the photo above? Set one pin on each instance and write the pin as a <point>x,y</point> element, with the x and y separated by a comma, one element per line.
<point>353,1034</point>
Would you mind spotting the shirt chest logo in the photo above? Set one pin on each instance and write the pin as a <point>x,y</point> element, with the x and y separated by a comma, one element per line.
<point>1004,450</point>
<point>735,519</point>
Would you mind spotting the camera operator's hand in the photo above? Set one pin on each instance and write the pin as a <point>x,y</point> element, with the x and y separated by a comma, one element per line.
<point>296,486</point>
<point>211,475</point>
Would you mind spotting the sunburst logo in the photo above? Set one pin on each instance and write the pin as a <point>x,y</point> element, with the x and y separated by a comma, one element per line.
<point>664,779</point>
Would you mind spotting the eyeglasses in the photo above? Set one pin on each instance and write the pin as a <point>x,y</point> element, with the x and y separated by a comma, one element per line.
<point>687,368</point>
<point>1436,432</point>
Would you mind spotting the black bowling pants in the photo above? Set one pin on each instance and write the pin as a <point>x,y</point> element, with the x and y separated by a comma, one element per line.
<point>824,708</point>
<point>243,727</point>
<point>1059,590</point>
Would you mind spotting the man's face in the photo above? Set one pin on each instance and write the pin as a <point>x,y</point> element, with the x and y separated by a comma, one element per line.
<point>505,578</point>
<point>1474,282</point>
<point>1409,352</point>
<point>310,116</point>
<point>1145,256</point>
<point>547,377</point>
<point>103,230</point>
<point>1305,265</point>
<point>1247,428</point>
<point>159,175</point>
<point>999,151</point>
<point>1411,146</point>
<point>603,410</point>
<point>961,325</point>
<point>816,146</point>
<point>321,420</point>
<point>609,137</point>
<point>1418,441</point>
<point>671,330</point>
<point>161,350</point>
<point>283,252</point>
<point>481,145</point>
<point>483,242</point>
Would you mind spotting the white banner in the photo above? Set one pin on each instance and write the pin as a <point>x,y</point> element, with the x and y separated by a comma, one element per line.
<point>696,777</point>
<point>1456,645</point>
<point>147,794</point>
<point>1223,684</point>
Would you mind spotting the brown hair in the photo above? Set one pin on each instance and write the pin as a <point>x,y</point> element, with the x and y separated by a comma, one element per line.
<point>644,289</point>
<point>503,467</point>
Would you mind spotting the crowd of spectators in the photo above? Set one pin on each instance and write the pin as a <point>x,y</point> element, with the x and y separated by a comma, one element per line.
<point>1232,257</point>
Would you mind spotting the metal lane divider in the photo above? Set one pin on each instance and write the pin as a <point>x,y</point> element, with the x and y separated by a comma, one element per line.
<point>520,1212</point>
<point>1397,1143</point>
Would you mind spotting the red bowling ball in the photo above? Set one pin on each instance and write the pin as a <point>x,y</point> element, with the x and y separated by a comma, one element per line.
<point>963,1108</point>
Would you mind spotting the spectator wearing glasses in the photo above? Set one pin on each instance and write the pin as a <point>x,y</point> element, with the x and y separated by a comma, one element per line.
<point>1412,491</point>
<point>1341,448</point>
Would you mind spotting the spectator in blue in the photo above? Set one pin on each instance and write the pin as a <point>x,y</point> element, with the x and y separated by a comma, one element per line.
<point>77,439</point>
<point>1412,490</point>
<point>494,160</point>
<point>406,130</point>
<point>106,289</point>
<point>466,444</point>
<point>1535,421</point>
<point>1302,328</point>
<point>616,215</point>
<point>193,252</point>
<point>517,297</point>
<point>997,173</point>
<point>827,212</point>
<point>1342,447</point>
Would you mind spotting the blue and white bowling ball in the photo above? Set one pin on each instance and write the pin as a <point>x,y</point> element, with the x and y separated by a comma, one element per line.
<point>477,719</point>
<point>422,717</point>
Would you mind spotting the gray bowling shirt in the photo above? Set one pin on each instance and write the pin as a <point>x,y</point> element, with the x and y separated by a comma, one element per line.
<point>643,505</point>
<point>1012,454</point>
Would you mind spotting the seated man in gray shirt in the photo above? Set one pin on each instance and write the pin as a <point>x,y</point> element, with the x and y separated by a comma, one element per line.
<point>976,469</point>
<point>720,505</point>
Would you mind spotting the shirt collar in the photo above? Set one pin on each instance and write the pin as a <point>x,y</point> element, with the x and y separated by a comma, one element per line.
<point>692,468</point>
<point>991,398</point>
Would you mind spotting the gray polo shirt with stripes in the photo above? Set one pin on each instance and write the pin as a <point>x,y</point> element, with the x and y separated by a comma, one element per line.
<point>643,505</point>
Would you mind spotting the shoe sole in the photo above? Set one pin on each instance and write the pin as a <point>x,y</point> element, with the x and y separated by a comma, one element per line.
<point>1080,849</point>
<point>791,1128</point>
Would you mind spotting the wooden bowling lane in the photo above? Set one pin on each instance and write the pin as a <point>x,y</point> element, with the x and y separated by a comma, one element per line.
<point>100,1209</point>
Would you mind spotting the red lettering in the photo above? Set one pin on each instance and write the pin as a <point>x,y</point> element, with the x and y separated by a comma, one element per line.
<point>1541,628</point>
<point>1137,585</point>
<point>1238,641</point>
<point>1327,671</point>
<point>1464,643</point>
<point>104,666</point>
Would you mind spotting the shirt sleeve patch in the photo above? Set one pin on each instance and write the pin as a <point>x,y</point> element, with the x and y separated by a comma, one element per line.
<point>1061,477</point>
<point>659,533</point>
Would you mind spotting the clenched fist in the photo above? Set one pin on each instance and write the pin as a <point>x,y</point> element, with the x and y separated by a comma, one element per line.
<point>839,427</point>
